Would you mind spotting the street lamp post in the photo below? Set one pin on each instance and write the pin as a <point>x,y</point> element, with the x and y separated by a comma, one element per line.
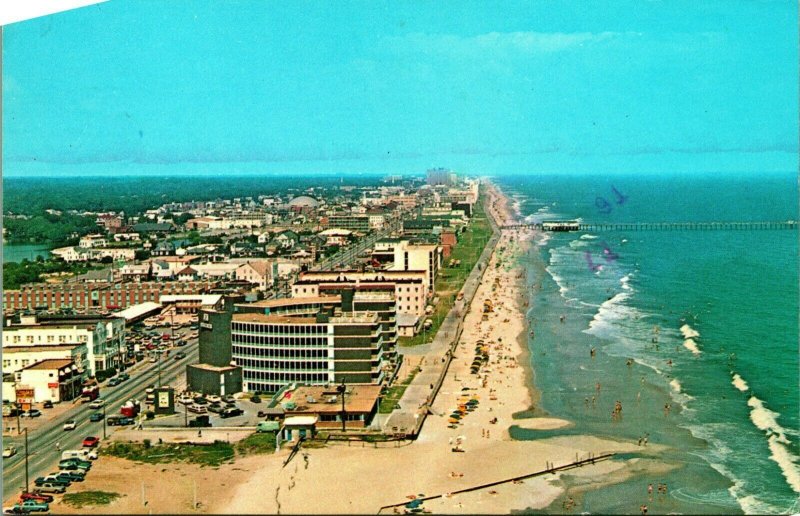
<point>104,421</point>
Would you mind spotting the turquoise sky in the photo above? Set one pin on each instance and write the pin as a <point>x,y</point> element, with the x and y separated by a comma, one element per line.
<point>138,86</point>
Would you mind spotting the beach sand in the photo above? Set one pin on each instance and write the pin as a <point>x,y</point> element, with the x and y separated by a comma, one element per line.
<point>363,478</point>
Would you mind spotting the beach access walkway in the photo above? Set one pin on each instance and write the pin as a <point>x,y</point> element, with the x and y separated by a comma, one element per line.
<point>419,394</point>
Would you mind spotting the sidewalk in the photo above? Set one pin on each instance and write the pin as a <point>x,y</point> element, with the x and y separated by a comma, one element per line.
<point>433,356</point>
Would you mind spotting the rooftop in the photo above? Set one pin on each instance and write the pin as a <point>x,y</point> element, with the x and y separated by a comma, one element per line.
<point>41,349</point>
<point>50,363</point>
<point>358,398</point>
<point>294,301</point>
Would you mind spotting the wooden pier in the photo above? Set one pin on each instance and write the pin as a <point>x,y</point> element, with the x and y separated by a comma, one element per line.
<point>661,226</point>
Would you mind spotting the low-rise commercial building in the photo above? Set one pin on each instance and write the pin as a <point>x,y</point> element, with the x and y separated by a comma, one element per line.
<point>54,379</point>
<point>16,357</point>
<point>325,402</point>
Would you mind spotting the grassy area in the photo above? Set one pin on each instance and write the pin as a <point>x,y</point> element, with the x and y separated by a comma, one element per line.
<point>205,455</point>
<point>395,392</point>
<point>256,444</point>
<point>85,498</point>
<point>450,279</point>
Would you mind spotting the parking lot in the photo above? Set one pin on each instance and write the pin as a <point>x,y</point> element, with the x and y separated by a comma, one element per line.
<point>182,417</point>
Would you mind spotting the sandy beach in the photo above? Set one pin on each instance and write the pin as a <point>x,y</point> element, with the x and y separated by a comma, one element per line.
<point>362,479</point>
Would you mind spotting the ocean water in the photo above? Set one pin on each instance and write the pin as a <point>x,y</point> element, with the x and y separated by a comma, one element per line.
<point>695,334</point>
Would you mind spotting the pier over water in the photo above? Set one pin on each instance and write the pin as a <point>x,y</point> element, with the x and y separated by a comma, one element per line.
<point>571,225</point>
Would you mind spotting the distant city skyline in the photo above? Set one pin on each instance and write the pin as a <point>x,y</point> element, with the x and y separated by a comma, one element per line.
<point>141,87</point>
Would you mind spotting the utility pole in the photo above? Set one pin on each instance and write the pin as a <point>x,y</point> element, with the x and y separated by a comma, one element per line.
<point>27,480</point>
<point>342,389</point>
<point>104,421</point>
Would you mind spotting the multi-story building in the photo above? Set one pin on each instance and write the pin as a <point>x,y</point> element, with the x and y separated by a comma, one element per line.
<point>97,296</point>
<point>327,339</point>
<point>354,222</point>
<point>16,357</point>
<point>104,337</point>
<point>410,288</point>
<point>92,241</point>
<point>261,273</point>
<point>83,254</point>
<point>412,257</point>
<point>440,176</point>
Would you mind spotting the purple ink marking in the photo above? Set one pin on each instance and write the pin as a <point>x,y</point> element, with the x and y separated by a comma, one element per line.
<point>602,205</point>
<point>592,266</point>
<point>608,254</point>
<point>620,198</point>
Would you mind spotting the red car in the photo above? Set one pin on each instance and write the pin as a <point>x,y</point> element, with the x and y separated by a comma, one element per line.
<point>90,442</point>
<point>44,498</point>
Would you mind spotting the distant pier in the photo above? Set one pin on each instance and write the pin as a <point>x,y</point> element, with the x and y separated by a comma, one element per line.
<point>571,225</point>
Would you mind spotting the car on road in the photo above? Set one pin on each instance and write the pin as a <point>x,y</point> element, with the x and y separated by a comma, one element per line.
<point>90,442</point>
<point>179,355</point>
<point>31,413</point>
<point>231,412</point>
<point>96,404</point>
<point>70,425</point>
<point>47,404</point>
<point>32,506</point>
<point>124,376</point>
<point>125,421</point>
<point>35,496</point>
<point>9,451</point>
<point>95,417</point>
<point>114,382</point>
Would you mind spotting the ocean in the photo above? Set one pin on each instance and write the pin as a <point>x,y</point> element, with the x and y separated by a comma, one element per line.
<point>695,334</point>
<point>18,252</point>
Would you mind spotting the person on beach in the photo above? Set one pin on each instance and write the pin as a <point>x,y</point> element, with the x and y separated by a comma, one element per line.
<point>650,490</point>
<point>591,352</point>
<point>597,387</point>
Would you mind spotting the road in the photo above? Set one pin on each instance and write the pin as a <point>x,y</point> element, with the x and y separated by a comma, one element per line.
<point>43,456</point>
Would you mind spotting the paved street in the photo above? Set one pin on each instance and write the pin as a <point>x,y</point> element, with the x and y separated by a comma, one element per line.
<point>43,455</point>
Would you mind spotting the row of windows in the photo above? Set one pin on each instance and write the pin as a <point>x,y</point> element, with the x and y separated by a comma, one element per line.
<point>240,351</point>
<point>269,340</point>
<point>16,339</point>
<point>295,329</point>
<point>284,365</point>
<point>283,377</point>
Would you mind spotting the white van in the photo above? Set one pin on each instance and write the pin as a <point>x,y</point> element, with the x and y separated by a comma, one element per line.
<point>79,454</point>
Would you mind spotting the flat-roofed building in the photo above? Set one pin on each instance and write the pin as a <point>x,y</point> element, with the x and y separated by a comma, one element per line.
<point>16,358</point>
<point>325,402</point>
<point>410,288</point>
<point>418,257</point>
<point>53,379</point>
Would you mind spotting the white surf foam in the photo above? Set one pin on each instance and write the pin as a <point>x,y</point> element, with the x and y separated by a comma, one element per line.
<point>624,281</point>
<point>689,332</point>
<point>676,385</point>
<point>767,421</point>
<point>588,237</point>
<point>544,239</point>
<point>739,383</point>
<point>610,311</point>
<point>691,346</point>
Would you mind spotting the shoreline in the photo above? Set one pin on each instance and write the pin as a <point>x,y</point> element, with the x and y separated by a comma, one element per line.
<point>360,479</point>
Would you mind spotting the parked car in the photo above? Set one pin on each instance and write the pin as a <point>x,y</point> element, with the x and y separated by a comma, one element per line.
<point>125,421</point>
<point>36,496</point>
<point>33,506</point>
<point>213,398</point>
<point>197,409</point>
<point>200,422</point>
<point>9,451</point>
<point>228,398</point>
<point>199,400</point>
<point>231,412</point>
<point>124,376</point>
<point>216,408</point>
<point>50,488</point>
<point>48,482</point>
<point>96,416</point>
<point>90,442</point>
<point>72,466</point>
<point>185,400</point>
<point>150,388</point>
<point>96,404</point>
<point>70,425</point>
<point>47,404</point>
<point>31,413</point>
<point>72,476</point>
<point>15,510</point>
<point>255,399</point>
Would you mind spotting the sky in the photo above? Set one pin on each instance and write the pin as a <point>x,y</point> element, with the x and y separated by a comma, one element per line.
<point>141,86</point>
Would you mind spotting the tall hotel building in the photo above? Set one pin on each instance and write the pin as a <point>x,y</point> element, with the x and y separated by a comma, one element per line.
<point>348,338</point>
